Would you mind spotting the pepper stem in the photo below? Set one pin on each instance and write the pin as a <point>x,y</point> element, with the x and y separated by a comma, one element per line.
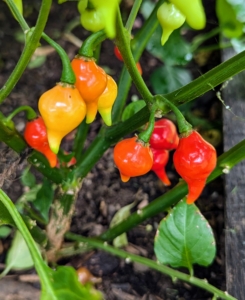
<point>67,75</point>
<point>30,113</point>
<point>88,46</point>
<point>184,127</point>
<point>146,135</point>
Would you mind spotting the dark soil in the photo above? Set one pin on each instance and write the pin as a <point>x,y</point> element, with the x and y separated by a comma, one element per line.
<point>103,193</point>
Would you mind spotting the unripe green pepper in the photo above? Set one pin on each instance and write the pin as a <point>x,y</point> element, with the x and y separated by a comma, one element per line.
<point>108,10</point>
<point>194,12</point>
<point>230,26</point>
<point>170,19</point>
<point>82,5</point>
<point>92,20</point>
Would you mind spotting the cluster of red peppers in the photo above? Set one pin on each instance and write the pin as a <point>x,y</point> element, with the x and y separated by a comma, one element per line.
<point>194,158</point>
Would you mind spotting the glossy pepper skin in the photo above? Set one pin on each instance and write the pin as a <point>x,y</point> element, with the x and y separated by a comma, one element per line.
<point>193,11</point>
<point>133,158</point>
<point>164,135</point>
<point>107,99</point>
<point>91,19</point>
<point>160,159</point>
<point>62,109</point>
<point>91,81</point>
<point>35,134</point>
<point>194,160</point>
<point>170,18</point>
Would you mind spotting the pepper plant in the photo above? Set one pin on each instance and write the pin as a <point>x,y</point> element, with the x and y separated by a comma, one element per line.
<point>85,89</point>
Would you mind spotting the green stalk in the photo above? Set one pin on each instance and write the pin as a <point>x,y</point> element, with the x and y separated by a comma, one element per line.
<point>67,75</point>
<point>133,15</point>
<point>29,48</point>
<point>184,127</point>
<point>35,253</point>
<point>24,26</point>
<point>151,264</point>
<point>123,43</point>
<point>226,161</point>
<point>30,113</point>
<point>146,134</point>
<point>80,139</point>
<point>88,46</point>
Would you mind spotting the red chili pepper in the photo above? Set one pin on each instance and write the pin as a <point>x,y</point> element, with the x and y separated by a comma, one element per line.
<point>164,135</point>
<point>35,135</point>
<point>160,159</point>
<point>194,160</point>
<point>133,158</point>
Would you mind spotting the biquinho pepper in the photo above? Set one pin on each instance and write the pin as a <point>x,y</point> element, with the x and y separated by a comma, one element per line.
<point>160,159</point>
<point>170,18</point>
<point>164,135</point>
<point>133,158</point>
<point>194,160</point>
<point>91,81</point>
<point>108,10</point>
<point>231,27</point>
<point>193,11</point>
<point>107,99</point>
<point>91,19</point>
<point>35,134</point>
<point>62,109</point>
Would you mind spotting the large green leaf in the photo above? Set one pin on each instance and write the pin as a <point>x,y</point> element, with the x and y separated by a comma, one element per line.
<point>131,109</point>
<point>176,51</point>
<point>184,238</point>
<point>167,79</point>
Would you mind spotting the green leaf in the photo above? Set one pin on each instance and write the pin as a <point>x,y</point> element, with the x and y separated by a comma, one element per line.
<point>44,199</point>
<point>66,286</point>
<point>166,79</point>
<point>184,238</point>
<point>131,109</point>
<point>27,178</point>
<point>119,216</point>
<point>147,8</point>
<point>37,62</point>
<point>5,231</point>
<point>18,256</point>
<point>170,54</point>
<point>5,217</point>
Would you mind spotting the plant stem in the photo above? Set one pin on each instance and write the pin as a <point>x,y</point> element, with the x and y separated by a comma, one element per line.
<point>67,75</point>
<point>132,16</point>
<point>123,44</point>
<point>28,51</point>
<point>30,113</point>
<point>152,264</point>
<point>88,46</point>
<point>146,134</point>
<point>225,162</point>
<point>80,139</point>
<point>35,253</point>
<point>184,127</point>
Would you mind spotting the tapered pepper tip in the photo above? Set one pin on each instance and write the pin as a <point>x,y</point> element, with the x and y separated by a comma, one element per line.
<point>91,111</point>
<point>106,116</point>
<point>124,178</point>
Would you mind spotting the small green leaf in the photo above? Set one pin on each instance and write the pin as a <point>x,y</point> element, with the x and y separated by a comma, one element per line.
<point>27,178</point>
<point>5,231</point>
<point>66,286</point>
<point>5,217</point>
<point>119,216</point>
<point>18,256</point>
<point>44,199</point>
<point>166,79</point>
<point>37,62</point>
<point>170,54</point>
<point>184,238</point>
<point>131,109</point>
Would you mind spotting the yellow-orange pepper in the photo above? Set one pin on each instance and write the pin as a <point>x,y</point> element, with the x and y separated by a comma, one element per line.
<point>107,99</point>
<point>62,109</point>
<point>91,80</point>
